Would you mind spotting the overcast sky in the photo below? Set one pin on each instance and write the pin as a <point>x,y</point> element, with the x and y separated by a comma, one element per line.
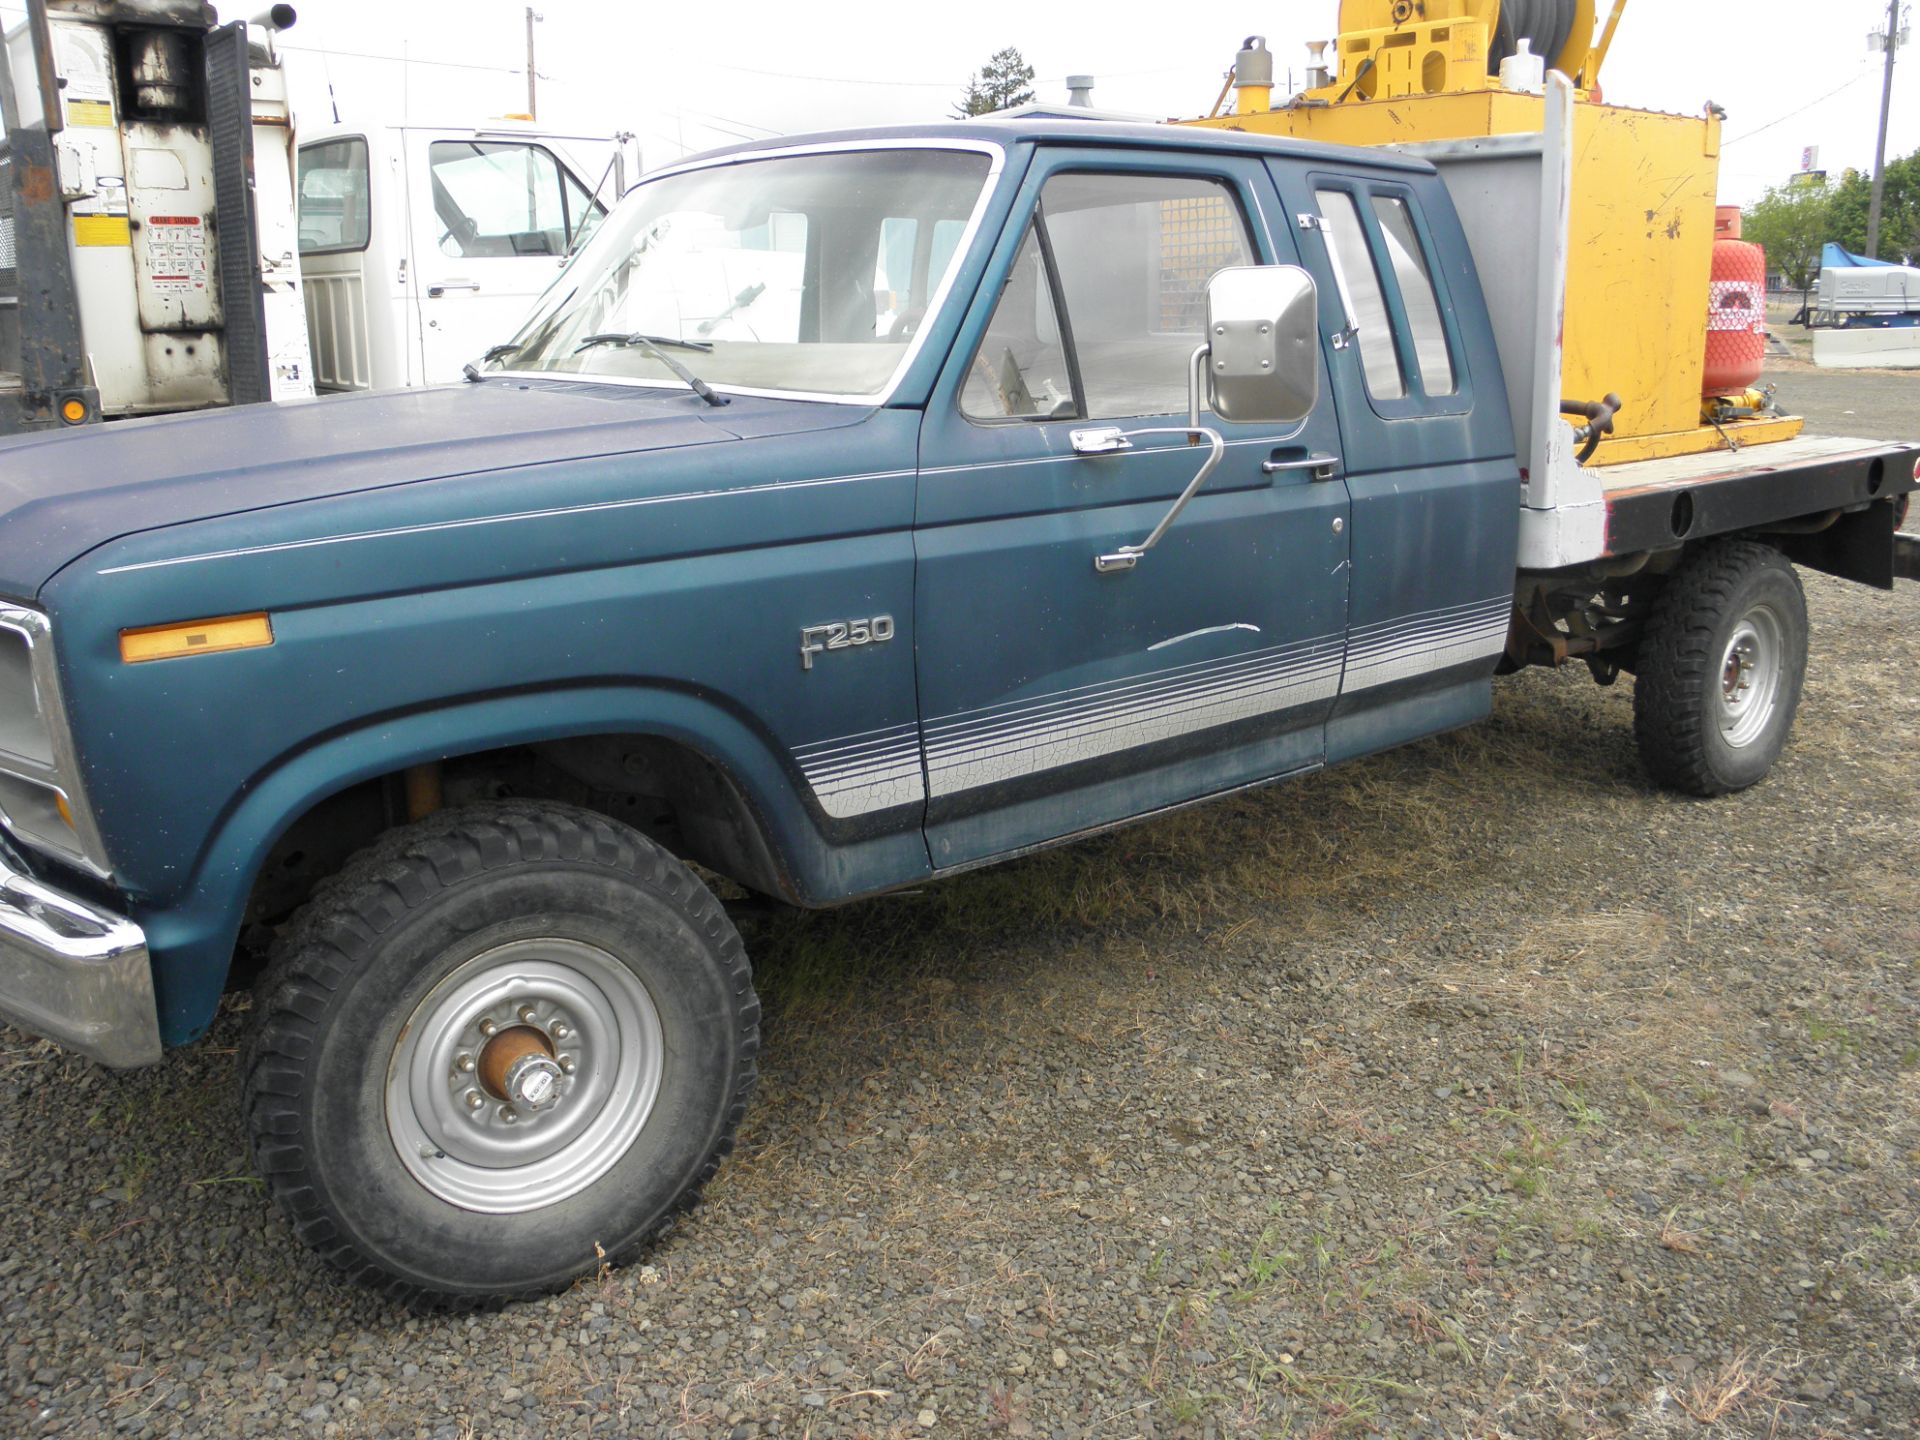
<point>688,75</point>
<point>691,75</point>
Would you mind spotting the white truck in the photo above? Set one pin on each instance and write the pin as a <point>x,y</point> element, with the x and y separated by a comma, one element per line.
<point>170,241</point>
<point>421,246</point>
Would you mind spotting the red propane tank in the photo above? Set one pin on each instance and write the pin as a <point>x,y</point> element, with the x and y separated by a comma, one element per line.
<point>1737,312</point>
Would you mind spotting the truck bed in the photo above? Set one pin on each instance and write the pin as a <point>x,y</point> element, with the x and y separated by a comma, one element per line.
<point>1653,504</point>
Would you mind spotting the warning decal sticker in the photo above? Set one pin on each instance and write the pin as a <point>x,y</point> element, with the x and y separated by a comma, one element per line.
<point>101,230</point>
<point>177,254</point>
<point>98,113</point>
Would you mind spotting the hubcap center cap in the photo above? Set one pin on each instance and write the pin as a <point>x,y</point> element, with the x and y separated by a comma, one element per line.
<point>518,1065</point>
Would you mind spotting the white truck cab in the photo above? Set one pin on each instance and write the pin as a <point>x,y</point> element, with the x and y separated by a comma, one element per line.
<point>421,246</point>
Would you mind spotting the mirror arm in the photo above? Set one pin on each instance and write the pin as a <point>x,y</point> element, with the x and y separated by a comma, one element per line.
<point>1196,385</point>
<point>1128,556</point>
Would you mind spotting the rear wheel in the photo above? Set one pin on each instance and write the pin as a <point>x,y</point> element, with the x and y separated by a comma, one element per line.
<point>502,1048</point>
<point>1721,666</point>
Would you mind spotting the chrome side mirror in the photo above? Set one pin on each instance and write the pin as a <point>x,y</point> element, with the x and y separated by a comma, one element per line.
<point>1263,328</point>
<point>1260,365</point>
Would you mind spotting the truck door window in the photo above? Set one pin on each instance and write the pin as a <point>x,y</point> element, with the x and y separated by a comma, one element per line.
<point>495,199</point>
<point>1135,253</point>
<point>1416,293</point>
<point>1020,371</point>
<point>1360,292</point>
<point>334,214</point>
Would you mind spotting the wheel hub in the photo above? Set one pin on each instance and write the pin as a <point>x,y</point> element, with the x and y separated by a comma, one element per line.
<point>520,1066</point>
<point>524,1075</point>
<point>1751,677</point>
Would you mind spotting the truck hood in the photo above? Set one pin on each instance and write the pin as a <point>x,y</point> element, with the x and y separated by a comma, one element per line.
<point>65,493</point>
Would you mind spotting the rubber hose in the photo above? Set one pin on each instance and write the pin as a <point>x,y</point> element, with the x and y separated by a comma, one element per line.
<point>1545,24</point>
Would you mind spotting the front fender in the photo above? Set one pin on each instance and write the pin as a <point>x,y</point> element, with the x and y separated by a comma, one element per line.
<point>192,938</point>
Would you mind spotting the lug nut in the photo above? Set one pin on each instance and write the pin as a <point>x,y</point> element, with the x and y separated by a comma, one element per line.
<point>465,1062</point>
<point>562,1030</point>
<point>566,1063</point>
<point>527,1014</point>
<point>509,1114</point>
<point>487,1027</point>
<point>475,1100</point>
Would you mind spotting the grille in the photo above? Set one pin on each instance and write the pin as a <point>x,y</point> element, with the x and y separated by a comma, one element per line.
<point>23,733</point>
<point>37,769</point>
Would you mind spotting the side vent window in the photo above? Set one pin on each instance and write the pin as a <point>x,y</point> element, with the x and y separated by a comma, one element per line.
<point>1409,262</point>
<point>1360,292</point>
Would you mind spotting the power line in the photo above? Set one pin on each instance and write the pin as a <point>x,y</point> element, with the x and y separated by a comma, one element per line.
<point>1748,135</point>
<point>731,120</point>
<point>838,79</point>
<point>327,50</point>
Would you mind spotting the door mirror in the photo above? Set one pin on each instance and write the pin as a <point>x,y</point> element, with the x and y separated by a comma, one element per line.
<point>1263,331</point>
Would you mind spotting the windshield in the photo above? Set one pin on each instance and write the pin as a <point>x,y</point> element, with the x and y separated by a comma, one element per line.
<point>802,273</point>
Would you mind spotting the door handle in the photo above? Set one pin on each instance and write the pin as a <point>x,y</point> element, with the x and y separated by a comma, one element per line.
<point>434,292</point>
<point>1324,467</point>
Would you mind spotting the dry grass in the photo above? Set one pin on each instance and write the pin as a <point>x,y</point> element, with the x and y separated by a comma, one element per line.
<point>1738,1386</point>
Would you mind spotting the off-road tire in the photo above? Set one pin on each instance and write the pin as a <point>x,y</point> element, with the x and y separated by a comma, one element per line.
<point>1677,701</point>
<point>351,968</point>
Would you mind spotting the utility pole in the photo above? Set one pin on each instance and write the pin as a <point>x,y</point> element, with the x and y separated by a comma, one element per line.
<point>1891,43</point>
<point>532,113</point>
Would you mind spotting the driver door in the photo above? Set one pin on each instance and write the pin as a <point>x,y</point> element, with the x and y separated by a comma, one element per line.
<point>1055,698</point>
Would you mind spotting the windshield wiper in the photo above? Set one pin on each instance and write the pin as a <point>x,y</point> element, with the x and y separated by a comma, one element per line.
<point>654,346</point>
<point>496,352</point>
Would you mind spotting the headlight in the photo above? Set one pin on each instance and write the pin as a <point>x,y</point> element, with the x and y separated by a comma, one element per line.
<point>42,804</point>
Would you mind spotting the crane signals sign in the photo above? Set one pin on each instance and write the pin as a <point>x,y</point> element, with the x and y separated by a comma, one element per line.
<point>1809,159</point>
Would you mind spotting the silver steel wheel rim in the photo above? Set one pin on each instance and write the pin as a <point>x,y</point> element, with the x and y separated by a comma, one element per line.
<point>502,1158</point>
<point>1750,674</point>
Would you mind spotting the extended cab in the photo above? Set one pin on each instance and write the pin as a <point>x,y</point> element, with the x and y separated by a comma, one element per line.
<point>852,511</point>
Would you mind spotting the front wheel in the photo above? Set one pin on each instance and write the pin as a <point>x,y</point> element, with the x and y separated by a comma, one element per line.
<point>504,1047</point>
<point>1721,667</point>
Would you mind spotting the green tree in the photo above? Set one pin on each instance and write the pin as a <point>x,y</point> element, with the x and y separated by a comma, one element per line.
<point>1003,82</point>
<point>1900,213</point>
<point>1792,222</point>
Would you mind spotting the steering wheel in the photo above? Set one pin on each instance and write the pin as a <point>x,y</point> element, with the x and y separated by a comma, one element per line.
<point>906,323</point>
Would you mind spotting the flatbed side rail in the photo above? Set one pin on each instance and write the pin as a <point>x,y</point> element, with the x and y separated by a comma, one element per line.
<point>1837,513</point>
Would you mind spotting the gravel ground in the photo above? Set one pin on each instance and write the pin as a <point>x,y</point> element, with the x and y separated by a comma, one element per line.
<point>1476,1089</point>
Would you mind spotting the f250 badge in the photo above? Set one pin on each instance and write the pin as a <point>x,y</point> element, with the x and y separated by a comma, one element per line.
<point>843,635</point>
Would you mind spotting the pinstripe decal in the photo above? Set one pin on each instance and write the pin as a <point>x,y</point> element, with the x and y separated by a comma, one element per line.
<point>859,774</point>
<point>1421,644</point>
<point>1006,742</point>
<point>879,769</point>
<point>730,493</point>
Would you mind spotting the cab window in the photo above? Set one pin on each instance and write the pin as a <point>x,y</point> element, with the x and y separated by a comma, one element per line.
<point>500,199</point>
<point>1409,264</point>
<point>1106,302</point>
<point>1361,295</point>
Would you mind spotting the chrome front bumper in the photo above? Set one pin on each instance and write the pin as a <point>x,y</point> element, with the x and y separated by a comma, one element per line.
<point>74,973</point>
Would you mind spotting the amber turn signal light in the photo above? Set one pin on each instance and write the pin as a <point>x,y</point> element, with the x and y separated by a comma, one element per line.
<point>73,411</point>
<point>196,637</point>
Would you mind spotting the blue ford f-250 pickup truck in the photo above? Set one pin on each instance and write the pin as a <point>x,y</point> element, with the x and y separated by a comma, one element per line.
<point>852,511</point>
